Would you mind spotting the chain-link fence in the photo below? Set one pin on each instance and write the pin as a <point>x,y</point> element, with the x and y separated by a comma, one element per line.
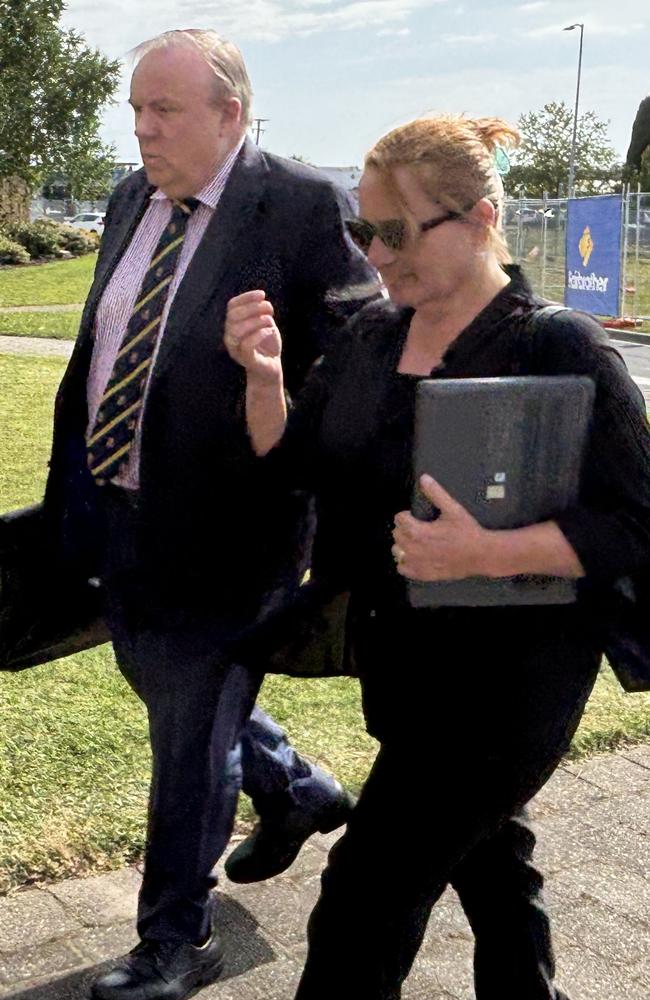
<point>536,231</point>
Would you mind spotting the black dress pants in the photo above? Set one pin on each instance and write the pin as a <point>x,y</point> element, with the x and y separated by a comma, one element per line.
<point>197,707</point>
<point>472,721</point>
<point>197,704</point>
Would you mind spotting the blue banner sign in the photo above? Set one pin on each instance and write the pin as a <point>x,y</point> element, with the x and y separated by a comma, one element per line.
<point>593,254</point>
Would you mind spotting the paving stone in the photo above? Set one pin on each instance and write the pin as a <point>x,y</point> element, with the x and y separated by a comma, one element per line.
<point>448,919</point>
<point>73,986</point>
<point>604,933</point>
<point>562,842</point>
<point>246,945</point>
<point>43,346</point>
<point>640,753</point>
<point>276,981</point>
<point>31,917</point>
<point>586,977</point>
<point>280,906</point>
<point>616,775</point>
<point>101,900</point>
<point>49,958</point>
<point>411,993</point>
<point>325,841</point>
<point>565,792</point>
<point>311,861</point>
<point>615,842</point>
<point>608,884</point>
<point>632,812</point>
<point>445,963</point>
<point>105,944</point>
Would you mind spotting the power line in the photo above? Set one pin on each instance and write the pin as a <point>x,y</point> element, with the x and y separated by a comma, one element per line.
<point>256,127</point>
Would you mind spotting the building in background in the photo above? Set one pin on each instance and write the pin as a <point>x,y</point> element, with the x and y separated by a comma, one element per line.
<point>347,177</point>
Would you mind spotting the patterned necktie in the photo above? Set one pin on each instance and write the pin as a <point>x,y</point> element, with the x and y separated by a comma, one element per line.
<point>113,432</point>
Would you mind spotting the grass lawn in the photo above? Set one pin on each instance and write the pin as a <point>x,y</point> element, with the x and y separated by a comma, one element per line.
<point>74,763</point>
<point>61,326</point>
<point>61,282</point>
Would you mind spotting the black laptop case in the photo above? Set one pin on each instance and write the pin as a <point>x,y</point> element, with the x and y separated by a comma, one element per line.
<point>510,451</point>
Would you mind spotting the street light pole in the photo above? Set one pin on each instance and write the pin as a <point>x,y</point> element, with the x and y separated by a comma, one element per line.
<point>572,161</point>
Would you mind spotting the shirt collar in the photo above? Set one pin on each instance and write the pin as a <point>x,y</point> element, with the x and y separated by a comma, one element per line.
<point>211,193</point>
<point>514,301</point>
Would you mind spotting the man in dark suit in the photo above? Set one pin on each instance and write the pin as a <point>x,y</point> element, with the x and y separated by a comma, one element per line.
<point>148,491</point>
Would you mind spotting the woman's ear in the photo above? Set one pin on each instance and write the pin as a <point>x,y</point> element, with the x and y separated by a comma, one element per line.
<point>484,212</point>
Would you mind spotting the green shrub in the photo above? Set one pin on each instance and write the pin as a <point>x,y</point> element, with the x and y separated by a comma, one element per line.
<point>77,241</point>
<point>11,252</point>
<point>40,238</point>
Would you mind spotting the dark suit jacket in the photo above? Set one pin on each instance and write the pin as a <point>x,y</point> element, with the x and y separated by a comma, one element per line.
<point>210,544</point>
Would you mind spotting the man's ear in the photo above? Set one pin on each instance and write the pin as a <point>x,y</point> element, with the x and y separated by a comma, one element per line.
<point>231,113</point>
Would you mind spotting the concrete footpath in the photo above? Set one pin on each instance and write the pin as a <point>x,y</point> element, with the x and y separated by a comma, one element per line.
<point>594,847</point>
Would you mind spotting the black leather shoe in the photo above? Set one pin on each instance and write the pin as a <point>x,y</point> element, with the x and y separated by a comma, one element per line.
<point>275,843</point>
<point>162,970</point>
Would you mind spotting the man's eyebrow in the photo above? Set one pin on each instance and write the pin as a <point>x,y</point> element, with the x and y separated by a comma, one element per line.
<point>156,100</point>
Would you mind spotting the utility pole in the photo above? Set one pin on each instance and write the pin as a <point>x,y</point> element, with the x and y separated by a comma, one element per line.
<point>572,162</point>
<point>257,128</point>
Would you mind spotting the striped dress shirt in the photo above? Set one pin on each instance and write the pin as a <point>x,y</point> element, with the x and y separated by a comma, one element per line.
<point>120,296</point>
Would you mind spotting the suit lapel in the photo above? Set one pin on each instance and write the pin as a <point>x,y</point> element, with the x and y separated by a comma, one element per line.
<point>213,260</point>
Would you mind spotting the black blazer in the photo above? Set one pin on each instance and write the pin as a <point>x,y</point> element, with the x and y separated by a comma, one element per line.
<point>207,542</point>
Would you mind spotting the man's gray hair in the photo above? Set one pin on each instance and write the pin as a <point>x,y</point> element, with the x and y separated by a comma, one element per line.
<point>223,57</point>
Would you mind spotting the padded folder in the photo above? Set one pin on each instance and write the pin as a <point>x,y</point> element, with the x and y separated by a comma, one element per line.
<point>510,451</point>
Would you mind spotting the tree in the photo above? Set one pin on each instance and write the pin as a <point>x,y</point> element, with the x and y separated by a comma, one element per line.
<point>637,161</point>
<point>541,163</point>
<point>643,177</point>
<point>53,88</point>
<point>640,139</point>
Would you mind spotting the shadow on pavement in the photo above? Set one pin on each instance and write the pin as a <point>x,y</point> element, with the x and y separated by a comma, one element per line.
<point>245,947</point>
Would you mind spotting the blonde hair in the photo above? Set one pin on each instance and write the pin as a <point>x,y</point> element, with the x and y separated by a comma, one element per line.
<point>454,159</point>
<point>223,57</point>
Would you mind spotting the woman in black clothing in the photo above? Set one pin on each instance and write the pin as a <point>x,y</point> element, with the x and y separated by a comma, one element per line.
<point>473,707</point>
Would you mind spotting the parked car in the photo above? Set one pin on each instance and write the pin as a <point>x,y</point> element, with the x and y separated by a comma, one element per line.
<point>93,221</point>
<point>527,216</point>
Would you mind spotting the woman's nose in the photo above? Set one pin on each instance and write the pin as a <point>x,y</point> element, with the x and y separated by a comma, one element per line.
<point>379,254</point>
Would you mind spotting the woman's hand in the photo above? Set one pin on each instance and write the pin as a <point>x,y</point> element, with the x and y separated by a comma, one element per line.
<point>449,548</point>
<point>455,546</point>
<point>252,339</point>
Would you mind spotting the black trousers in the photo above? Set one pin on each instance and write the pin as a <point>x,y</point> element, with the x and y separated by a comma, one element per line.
<point>197,707</point>
<point>198,703</point>
<point>473,714</point>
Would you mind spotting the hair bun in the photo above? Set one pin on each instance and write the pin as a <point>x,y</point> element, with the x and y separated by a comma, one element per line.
<point>494,132</point>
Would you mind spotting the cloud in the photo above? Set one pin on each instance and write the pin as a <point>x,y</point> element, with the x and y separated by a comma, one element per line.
<point>394,32</point>
<point>274,20</point>
<point>335,74</point>
<point>618,29</point>
<point>478,39</point>
<point>256,20</point>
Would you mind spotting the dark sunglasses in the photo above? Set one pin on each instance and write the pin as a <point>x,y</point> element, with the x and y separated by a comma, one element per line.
<point>393,233</point>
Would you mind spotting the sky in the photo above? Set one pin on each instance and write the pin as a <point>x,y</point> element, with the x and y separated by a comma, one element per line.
<point>333,75</point>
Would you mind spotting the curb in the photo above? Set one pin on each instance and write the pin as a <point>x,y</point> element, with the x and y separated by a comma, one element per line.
<point>628,336</point>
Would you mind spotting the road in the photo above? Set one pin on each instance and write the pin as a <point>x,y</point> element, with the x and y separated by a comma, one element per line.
<point>637,359</point>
